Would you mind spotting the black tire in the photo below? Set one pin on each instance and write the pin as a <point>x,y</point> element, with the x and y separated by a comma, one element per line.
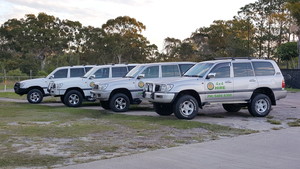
<point>260,105</point>
<point>119,102</point>
<point>62,99</point>
<point>163,109</point>
<point>232,107</point>
<point>105,105</point>
<point>35,96</point>
<point>186,107</point>
<point>73,98</point>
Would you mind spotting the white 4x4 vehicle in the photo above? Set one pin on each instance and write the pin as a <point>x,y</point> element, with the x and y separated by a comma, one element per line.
<point>117,95</point>
<point>36,89</point>
<point>236,83</point>
<point>73,91</point>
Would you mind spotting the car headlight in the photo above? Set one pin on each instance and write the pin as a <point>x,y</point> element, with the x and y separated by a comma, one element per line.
<point>59,85</point>
<point>22,84</point>
<point>102,86</point>
<point>166,87</point>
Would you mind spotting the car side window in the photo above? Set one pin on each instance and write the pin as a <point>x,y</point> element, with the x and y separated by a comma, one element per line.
<point>170,70</point>
<point>102,73</point>
<point>130,67</point>
<point>62,73</point>
<point>222,70</point>
<point>263,68</point>
<point>185,67</point>
<point>88,68</point>
<point>242,69</point>
<point>77,72</point>
<point>119,71</point>
<point>151,72</point>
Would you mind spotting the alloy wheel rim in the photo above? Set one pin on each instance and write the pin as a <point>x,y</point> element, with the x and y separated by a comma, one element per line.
<point>73,99</point>
<point>186,108</point>
<point>34,97</point>
<point>120,103</point>
<point>261,106</point>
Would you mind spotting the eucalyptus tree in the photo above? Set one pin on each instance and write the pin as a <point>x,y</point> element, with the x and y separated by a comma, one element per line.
<point>123,40</point>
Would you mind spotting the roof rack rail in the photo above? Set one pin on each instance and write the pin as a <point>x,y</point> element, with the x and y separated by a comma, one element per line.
<point>234,58</point>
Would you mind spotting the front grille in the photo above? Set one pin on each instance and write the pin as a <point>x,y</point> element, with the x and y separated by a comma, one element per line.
<point>157,88</point>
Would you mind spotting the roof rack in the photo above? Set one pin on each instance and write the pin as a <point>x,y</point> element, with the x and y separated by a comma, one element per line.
<point>234,58</point>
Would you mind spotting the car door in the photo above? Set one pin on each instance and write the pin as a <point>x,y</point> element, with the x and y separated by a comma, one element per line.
<point>219,83</point>
<point>244,81</point>
<point>150,73</point>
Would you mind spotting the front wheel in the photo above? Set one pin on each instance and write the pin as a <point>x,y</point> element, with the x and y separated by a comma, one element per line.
<point>163,109</point>
<point>260,105</point>
<point>119,102</point>
<point>35,96</point>
<point>186,107</point>
<point>105,105</point>
<point>73,98</point>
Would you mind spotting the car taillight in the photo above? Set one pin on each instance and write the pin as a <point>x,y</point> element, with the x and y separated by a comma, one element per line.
<point>283,84</point>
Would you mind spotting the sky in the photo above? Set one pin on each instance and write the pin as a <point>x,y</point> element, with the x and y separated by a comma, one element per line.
<point>162,18</point>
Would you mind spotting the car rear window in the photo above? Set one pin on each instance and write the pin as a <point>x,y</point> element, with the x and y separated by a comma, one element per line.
<point>242,69</point>
<point>263,68</point>
<point>119,71</point>
<point>185,67</point>
<point>77,72</point>
<point>170,71</point>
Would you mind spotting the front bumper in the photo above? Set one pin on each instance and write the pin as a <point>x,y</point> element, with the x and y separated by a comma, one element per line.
<point>18,90</point>
<point>101,95</point>
<point>158,97</point>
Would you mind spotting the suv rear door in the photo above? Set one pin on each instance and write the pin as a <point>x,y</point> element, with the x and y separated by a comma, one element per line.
<point>244,80</point>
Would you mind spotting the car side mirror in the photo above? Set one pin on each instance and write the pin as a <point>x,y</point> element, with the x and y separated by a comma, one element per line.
<point>211,75</point>
<point>51,77</point>
<point>92,77</point>
<point>141,76</point>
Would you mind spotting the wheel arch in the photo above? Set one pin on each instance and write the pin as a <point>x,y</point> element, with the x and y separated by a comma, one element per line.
<point>36,87</point>
<point>122,90</point>
<point>191,93</point>
<point>267,91</point>
<point>75,88</point>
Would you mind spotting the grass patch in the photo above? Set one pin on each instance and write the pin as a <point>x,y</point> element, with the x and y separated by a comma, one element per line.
<point>275,122</point>
<point>80,133</point>
<point>292,90</point>
<point>28,160</point>
<point>295,123</point>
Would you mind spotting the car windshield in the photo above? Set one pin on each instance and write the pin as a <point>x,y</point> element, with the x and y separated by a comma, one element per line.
<point>90,72</point>
<point>199,70</point>
<point>134,72</point>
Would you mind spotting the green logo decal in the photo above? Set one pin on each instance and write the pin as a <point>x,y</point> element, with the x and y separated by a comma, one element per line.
<point>210,86</point>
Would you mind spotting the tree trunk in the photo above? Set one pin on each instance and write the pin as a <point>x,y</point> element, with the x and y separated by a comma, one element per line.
<point>299,50</point>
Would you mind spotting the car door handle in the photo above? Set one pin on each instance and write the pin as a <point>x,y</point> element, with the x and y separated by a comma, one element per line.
<point>252,80</point>
<point>228,82</point>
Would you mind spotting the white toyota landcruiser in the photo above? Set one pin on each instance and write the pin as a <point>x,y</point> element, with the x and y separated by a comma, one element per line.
<point>36,89</point>
<point>117,95</point>
<point>73,91</point>
<point>236,83</point>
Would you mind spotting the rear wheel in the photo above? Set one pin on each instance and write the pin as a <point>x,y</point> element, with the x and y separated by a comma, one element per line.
<point>232,107</point>
<point>119,102</point>
<point>163,109</point>
<point>105,105</point>
<point>260,105</point>
<point>186,107</point>
<point>34,96</point>
<point>73,98</point>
